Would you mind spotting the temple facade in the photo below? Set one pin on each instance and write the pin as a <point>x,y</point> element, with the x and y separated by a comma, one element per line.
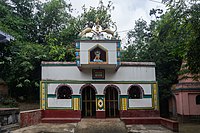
<point>98,84</point>
<point>185,101</point>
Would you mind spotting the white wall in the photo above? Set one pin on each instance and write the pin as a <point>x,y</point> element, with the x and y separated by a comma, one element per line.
<point>61,103</point>
<point>111,47</point>
<point>139,103</point>
<point>124,73</point>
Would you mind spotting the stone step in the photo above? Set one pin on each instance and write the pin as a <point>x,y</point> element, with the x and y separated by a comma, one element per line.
<point>113,125</point>
<point>60,120</point>
<point>140,120</point>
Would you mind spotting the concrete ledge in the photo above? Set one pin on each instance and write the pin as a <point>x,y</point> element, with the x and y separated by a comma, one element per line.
<point>60,120</point>
<point>9,116</point>
<point>31,117</point>
<point>170,124</point>
<point>140,120</point>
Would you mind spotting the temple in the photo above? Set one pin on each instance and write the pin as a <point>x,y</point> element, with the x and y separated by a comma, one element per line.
<point>98,84</point>
<point>184,104</point>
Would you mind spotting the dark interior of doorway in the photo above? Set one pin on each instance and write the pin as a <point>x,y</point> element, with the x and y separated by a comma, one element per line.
<point>111,97</point>
<point>88,102</point>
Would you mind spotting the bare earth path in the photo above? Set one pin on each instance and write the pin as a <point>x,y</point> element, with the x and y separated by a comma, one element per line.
<point>100,126</point>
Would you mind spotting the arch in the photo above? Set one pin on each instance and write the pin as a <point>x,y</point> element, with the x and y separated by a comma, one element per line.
<point>198,99</point>
<point>63,92</point>
<point>87,85</point>
<point>88,99</point>
<point>135,92</point>
<point>174,106</point>
<point>110,86</point>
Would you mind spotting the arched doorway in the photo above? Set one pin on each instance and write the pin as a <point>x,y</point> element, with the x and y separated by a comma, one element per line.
<point>111,100</point>
<point>88,101</point>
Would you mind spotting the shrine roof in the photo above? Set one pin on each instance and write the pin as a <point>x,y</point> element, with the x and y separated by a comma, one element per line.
<point>138,64</point>
<point>90,40</point>
<point>46,63</point>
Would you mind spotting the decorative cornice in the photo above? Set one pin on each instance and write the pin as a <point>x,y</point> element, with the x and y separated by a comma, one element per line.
<point>138,64</point>
<point>97,41</point>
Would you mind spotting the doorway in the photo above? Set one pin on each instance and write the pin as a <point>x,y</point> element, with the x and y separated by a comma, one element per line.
<point>111,99</point>
<point>88,102</point>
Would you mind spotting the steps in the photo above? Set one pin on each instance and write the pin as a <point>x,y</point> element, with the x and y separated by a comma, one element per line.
<point>60,120</point>
<point>140,120</point>
<point>113,125</point>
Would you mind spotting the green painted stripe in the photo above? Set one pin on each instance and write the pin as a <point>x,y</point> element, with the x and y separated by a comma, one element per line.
<point>123,96</point>
<point>97,96</point>
<point>51,95</point>
<point>97,81</point>
<point>76,96</point>
<point>147,96</point>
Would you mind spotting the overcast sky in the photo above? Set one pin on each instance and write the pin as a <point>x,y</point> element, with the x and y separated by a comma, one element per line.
<point>126,12</point>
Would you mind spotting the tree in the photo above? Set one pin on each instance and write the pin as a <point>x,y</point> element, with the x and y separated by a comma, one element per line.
<point>180,26</point>
<point>89,16</point>
<point>145,45</point>
<point>42,32</point>
<point>137,42</point>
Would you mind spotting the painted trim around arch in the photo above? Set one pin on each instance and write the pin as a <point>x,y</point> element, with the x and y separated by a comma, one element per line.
<point>141,90</point>
<point>114,86</point>
<point>87,85</point>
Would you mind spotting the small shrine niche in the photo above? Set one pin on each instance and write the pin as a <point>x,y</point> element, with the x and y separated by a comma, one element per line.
<point>98,47</point>
<point>98,54</point>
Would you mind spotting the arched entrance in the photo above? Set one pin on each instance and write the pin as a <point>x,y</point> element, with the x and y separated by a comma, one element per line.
<point>111,100</point>
<point>88,101</point>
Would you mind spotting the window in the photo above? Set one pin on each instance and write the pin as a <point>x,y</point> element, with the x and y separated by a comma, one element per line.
<point>64,92</point>
<point>198,99</point>
<point>135,92</point>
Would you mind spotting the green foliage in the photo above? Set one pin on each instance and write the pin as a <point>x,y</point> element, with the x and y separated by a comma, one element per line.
<point>7,102</point>
<point>42,32</point>
<point>145,45</point>
<point>180,27</point>
<point>102,12</point>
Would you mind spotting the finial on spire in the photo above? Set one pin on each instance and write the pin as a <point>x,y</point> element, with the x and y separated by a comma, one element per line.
<point>97,24</point>
<point>98,30</point>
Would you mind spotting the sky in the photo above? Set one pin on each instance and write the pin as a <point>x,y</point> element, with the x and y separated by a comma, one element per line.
<point>126,12</point>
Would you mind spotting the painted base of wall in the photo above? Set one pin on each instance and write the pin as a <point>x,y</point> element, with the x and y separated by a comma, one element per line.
<point>61,116</point>
<point>139,113</point>
<point>100,114</point>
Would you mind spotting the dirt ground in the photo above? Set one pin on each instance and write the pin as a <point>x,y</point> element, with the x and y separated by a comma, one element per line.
<point>189,128</point>
<point>108,126</point>
<point>93,126</point>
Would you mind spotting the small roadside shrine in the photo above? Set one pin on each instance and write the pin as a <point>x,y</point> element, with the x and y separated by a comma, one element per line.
<point>98,84</point>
